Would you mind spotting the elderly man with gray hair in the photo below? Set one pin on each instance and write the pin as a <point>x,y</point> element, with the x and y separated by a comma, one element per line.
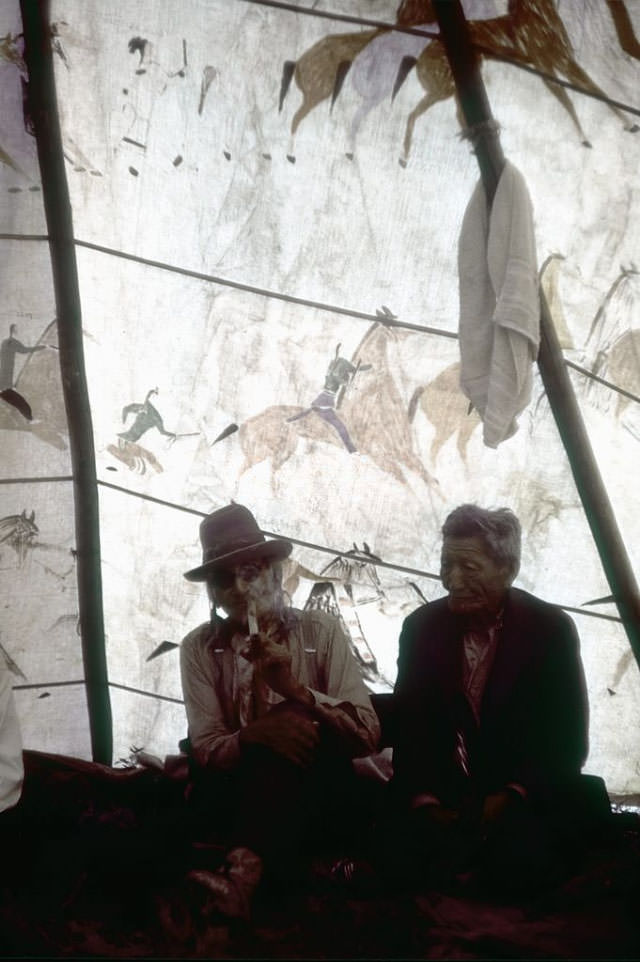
<point>490,722</point>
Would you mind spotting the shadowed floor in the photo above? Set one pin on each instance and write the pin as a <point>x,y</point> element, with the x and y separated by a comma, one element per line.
<point>99,871</point>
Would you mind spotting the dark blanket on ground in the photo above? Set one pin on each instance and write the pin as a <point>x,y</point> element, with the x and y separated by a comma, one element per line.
<point>96,864</point>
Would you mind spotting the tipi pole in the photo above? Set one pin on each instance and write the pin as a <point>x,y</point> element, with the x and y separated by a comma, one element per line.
<point>474,104</point>
<point>41,102</point>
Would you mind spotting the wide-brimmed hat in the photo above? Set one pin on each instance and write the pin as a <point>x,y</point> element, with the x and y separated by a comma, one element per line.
<point>230,536</point>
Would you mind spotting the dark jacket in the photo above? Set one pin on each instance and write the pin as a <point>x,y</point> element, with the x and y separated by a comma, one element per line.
<point>533,727</point>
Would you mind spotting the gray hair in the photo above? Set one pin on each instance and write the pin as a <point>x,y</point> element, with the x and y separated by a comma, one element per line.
<point>499,529</point>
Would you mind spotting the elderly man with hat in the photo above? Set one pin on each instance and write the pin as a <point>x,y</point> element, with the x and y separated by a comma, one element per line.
<point>276,708</point>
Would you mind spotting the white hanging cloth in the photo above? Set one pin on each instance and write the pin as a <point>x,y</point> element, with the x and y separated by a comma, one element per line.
<point>499,304</point>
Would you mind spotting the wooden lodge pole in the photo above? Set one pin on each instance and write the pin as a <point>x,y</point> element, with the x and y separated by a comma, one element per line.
<point>474,105</point>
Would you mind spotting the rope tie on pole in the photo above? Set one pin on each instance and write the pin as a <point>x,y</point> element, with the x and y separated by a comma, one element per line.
<point>485,128</point>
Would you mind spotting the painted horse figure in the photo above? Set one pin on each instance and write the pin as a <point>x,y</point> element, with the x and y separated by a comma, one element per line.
<point>372,409</point>
<point>320,72</point>
<point>531,32</point>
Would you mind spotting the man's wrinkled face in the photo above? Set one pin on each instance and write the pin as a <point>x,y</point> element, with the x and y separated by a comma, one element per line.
<point>475,582</point>
<point>233,588</point>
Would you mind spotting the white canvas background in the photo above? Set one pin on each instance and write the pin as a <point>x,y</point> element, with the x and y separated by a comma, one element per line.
<point>212,221</point>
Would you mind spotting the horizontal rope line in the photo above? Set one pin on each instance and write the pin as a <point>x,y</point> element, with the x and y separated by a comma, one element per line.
<point>250,289</point>
<point>263,292</point>
<point>111,684</point>
<point>360,315</point>
<point>149,497</point>
<point>413,31</point>
<point>147,694</point>
<point>25,237</point>
<point>344,18</point>
<point>49,684</point>
<point>433,35</point>
<point>305,302</point>
<point>488,52</point>
<point>320,305</point>
<point>601,380</point>
<point>591,614</point>
<point>346,554</point>
<point>64,477</point>
<point>325,550</point>
<point>269,534</point>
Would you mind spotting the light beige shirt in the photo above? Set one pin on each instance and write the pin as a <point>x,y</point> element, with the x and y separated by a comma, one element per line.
<point>11,765</point>
<point>216,682</point>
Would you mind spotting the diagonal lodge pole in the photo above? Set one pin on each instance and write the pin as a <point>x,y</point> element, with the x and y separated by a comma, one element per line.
<point>476,110</point>
<point>43,108</point>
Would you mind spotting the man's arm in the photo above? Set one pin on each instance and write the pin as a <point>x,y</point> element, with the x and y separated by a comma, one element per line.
<point>413,775</point>
<point>343,701</point>
<point>553,708</point>
<point>285,732</point>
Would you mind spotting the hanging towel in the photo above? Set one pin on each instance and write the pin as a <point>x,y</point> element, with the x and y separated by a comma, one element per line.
<point>499,304</point>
